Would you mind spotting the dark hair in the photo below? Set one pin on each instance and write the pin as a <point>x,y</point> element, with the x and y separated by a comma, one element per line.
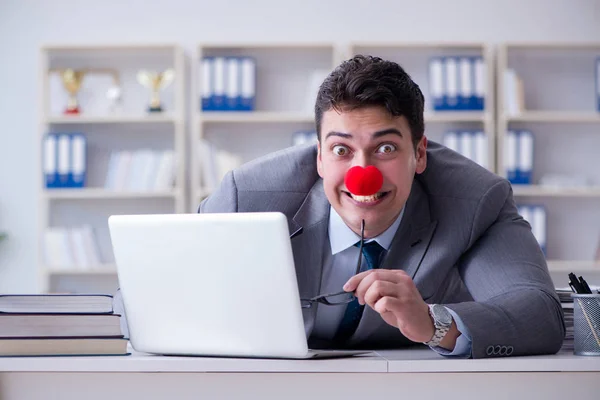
<point>366,81</point>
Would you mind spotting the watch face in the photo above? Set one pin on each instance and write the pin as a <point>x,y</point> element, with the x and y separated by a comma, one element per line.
<point>442,314</point>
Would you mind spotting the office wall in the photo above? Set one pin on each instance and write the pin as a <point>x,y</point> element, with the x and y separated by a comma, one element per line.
<point>25,25</point>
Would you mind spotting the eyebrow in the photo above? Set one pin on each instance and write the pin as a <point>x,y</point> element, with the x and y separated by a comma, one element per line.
<point>375,135</point>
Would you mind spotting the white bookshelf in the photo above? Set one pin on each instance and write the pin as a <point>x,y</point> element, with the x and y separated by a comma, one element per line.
<point>130,128</point>
<point>284,103</point>
<point>414,57</point>
<point>558,105</point>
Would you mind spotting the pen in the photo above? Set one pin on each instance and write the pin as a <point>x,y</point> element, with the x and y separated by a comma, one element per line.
<point>574,283</point>
<point>585,286</point>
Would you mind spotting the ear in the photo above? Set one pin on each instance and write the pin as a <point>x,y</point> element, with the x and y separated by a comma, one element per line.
<point>421,155</point>
<point>319,160</point>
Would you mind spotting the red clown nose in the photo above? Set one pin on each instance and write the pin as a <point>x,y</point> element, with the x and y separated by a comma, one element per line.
<point>363,181</point>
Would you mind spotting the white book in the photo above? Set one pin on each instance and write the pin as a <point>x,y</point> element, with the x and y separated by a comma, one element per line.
<point>436,81</point>
<point>466,144</point>
<point>219,83</point>
<point>123,168</point>
<point>226,161</point>
<point>481,150</point>
<point>91,246</point>
<point>166,171</point>
<point>480,78</point>
<point>451,78</point>
<point>208,164</point>
<point>233,82</point>
<point>466,81</point>
<point>50,159</point>
<point>111,170</point>
<point>78,247</point>
<point>539,225</point>
<point>451,141</point>
<point>248,82</point>
<point>57,248</point>
<point>78,159</point>
<point>510,154</point>
<point>149,175</point>
<point>64,159</point>
<point>206,82</point>
<point>139,166</point>
<point>525,157</point>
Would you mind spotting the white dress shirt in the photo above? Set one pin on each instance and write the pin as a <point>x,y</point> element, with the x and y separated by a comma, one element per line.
<point>339,265</point>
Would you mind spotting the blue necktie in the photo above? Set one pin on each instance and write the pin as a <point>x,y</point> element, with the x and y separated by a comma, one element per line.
<point>372,252</point>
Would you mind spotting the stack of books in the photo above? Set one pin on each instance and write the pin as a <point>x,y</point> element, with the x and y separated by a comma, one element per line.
<point>566,301</point>
<point>60,325</point>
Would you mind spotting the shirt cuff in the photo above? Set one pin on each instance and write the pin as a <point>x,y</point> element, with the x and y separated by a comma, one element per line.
<point>463,346</point>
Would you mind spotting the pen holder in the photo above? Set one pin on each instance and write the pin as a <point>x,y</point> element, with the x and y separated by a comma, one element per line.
<point>586,324</point>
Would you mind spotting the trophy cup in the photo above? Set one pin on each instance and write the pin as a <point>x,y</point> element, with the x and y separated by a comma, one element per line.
<point>155,81</point>
<point>71,80</point>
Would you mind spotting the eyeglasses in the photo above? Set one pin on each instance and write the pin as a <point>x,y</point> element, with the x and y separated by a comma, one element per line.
<point>338,298</point>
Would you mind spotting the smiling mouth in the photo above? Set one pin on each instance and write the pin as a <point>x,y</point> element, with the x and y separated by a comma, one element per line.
<point>367,199</point>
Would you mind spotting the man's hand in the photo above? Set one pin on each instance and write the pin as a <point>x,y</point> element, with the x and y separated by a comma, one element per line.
<point>393,294</point>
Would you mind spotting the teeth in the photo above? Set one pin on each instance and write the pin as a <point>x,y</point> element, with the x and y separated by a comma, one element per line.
<point>366,199</point>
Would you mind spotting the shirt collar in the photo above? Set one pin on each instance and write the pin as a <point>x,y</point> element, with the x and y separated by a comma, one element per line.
<point>341,237</point>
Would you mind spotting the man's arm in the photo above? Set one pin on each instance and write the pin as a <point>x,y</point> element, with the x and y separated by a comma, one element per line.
<point>223,199</point>
<point>515,305</point>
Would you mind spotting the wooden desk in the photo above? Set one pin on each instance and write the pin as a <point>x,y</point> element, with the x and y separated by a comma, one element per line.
<point>394,374</point>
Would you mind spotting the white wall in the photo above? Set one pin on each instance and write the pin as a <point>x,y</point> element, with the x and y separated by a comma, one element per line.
<point>27,24</point>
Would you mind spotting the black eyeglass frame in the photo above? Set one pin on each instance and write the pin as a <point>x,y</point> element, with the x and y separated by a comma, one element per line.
<point>322,298</point>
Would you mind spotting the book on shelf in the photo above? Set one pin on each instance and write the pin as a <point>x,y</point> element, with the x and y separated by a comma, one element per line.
<point>471,144</point>
<point>518,156</point>
<point>64,303</point>
<point>535,215</point>
<point>64,160</point>
<point>457,83</point>
<point>514,95</point>
<point>71,247</point>
<point>227,83</point>
<point>141,170</point>
<point>215,163</point>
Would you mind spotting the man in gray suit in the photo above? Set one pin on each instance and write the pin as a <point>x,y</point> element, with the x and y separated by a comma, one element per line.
<point>455,266</point>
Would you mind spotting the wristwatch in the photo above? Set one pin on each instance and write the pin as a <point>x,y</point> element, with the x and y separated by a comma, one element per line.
<point>442,320</point>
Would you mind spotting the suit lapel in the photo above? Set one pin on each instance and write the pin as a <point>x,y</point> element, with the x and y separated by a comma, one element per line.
<point>309,225</point>
<point>408,247</point>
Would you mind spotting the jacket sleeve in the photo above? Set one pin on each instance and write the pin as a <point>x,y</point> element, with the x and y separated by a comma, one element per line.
<point>515,308</point>
<point>223,199</point>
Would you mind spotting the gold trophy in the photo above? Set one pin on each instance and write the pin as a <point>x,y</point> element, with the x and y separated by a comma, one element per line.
<point>71,80</point>
<point>155,81</point>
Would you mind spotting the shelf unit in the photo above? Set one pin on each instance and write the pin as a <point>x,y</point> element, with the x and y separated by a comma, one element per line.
<point>130,128</point>
<point>285,78</point>
<point>414,57</point>
<point>565,130</point>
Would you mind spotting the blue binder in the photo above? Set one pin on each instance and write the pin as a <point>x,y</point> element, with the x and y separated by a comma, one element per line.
<point>436,83</point>
<point>248,84</point>
<point>206,84</point>
<point>525,146</point>
<point>50,161</point>
<point>78,161</point>
<point>479,80</point>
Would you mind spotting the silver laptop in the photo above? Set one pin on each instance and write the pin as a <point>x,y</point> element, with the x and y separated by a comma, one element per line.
<point>211,285</point>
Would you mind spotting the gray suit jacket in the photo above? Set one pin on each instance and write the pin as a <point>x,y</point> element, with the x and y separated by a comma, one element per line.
<point>461,240</point>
